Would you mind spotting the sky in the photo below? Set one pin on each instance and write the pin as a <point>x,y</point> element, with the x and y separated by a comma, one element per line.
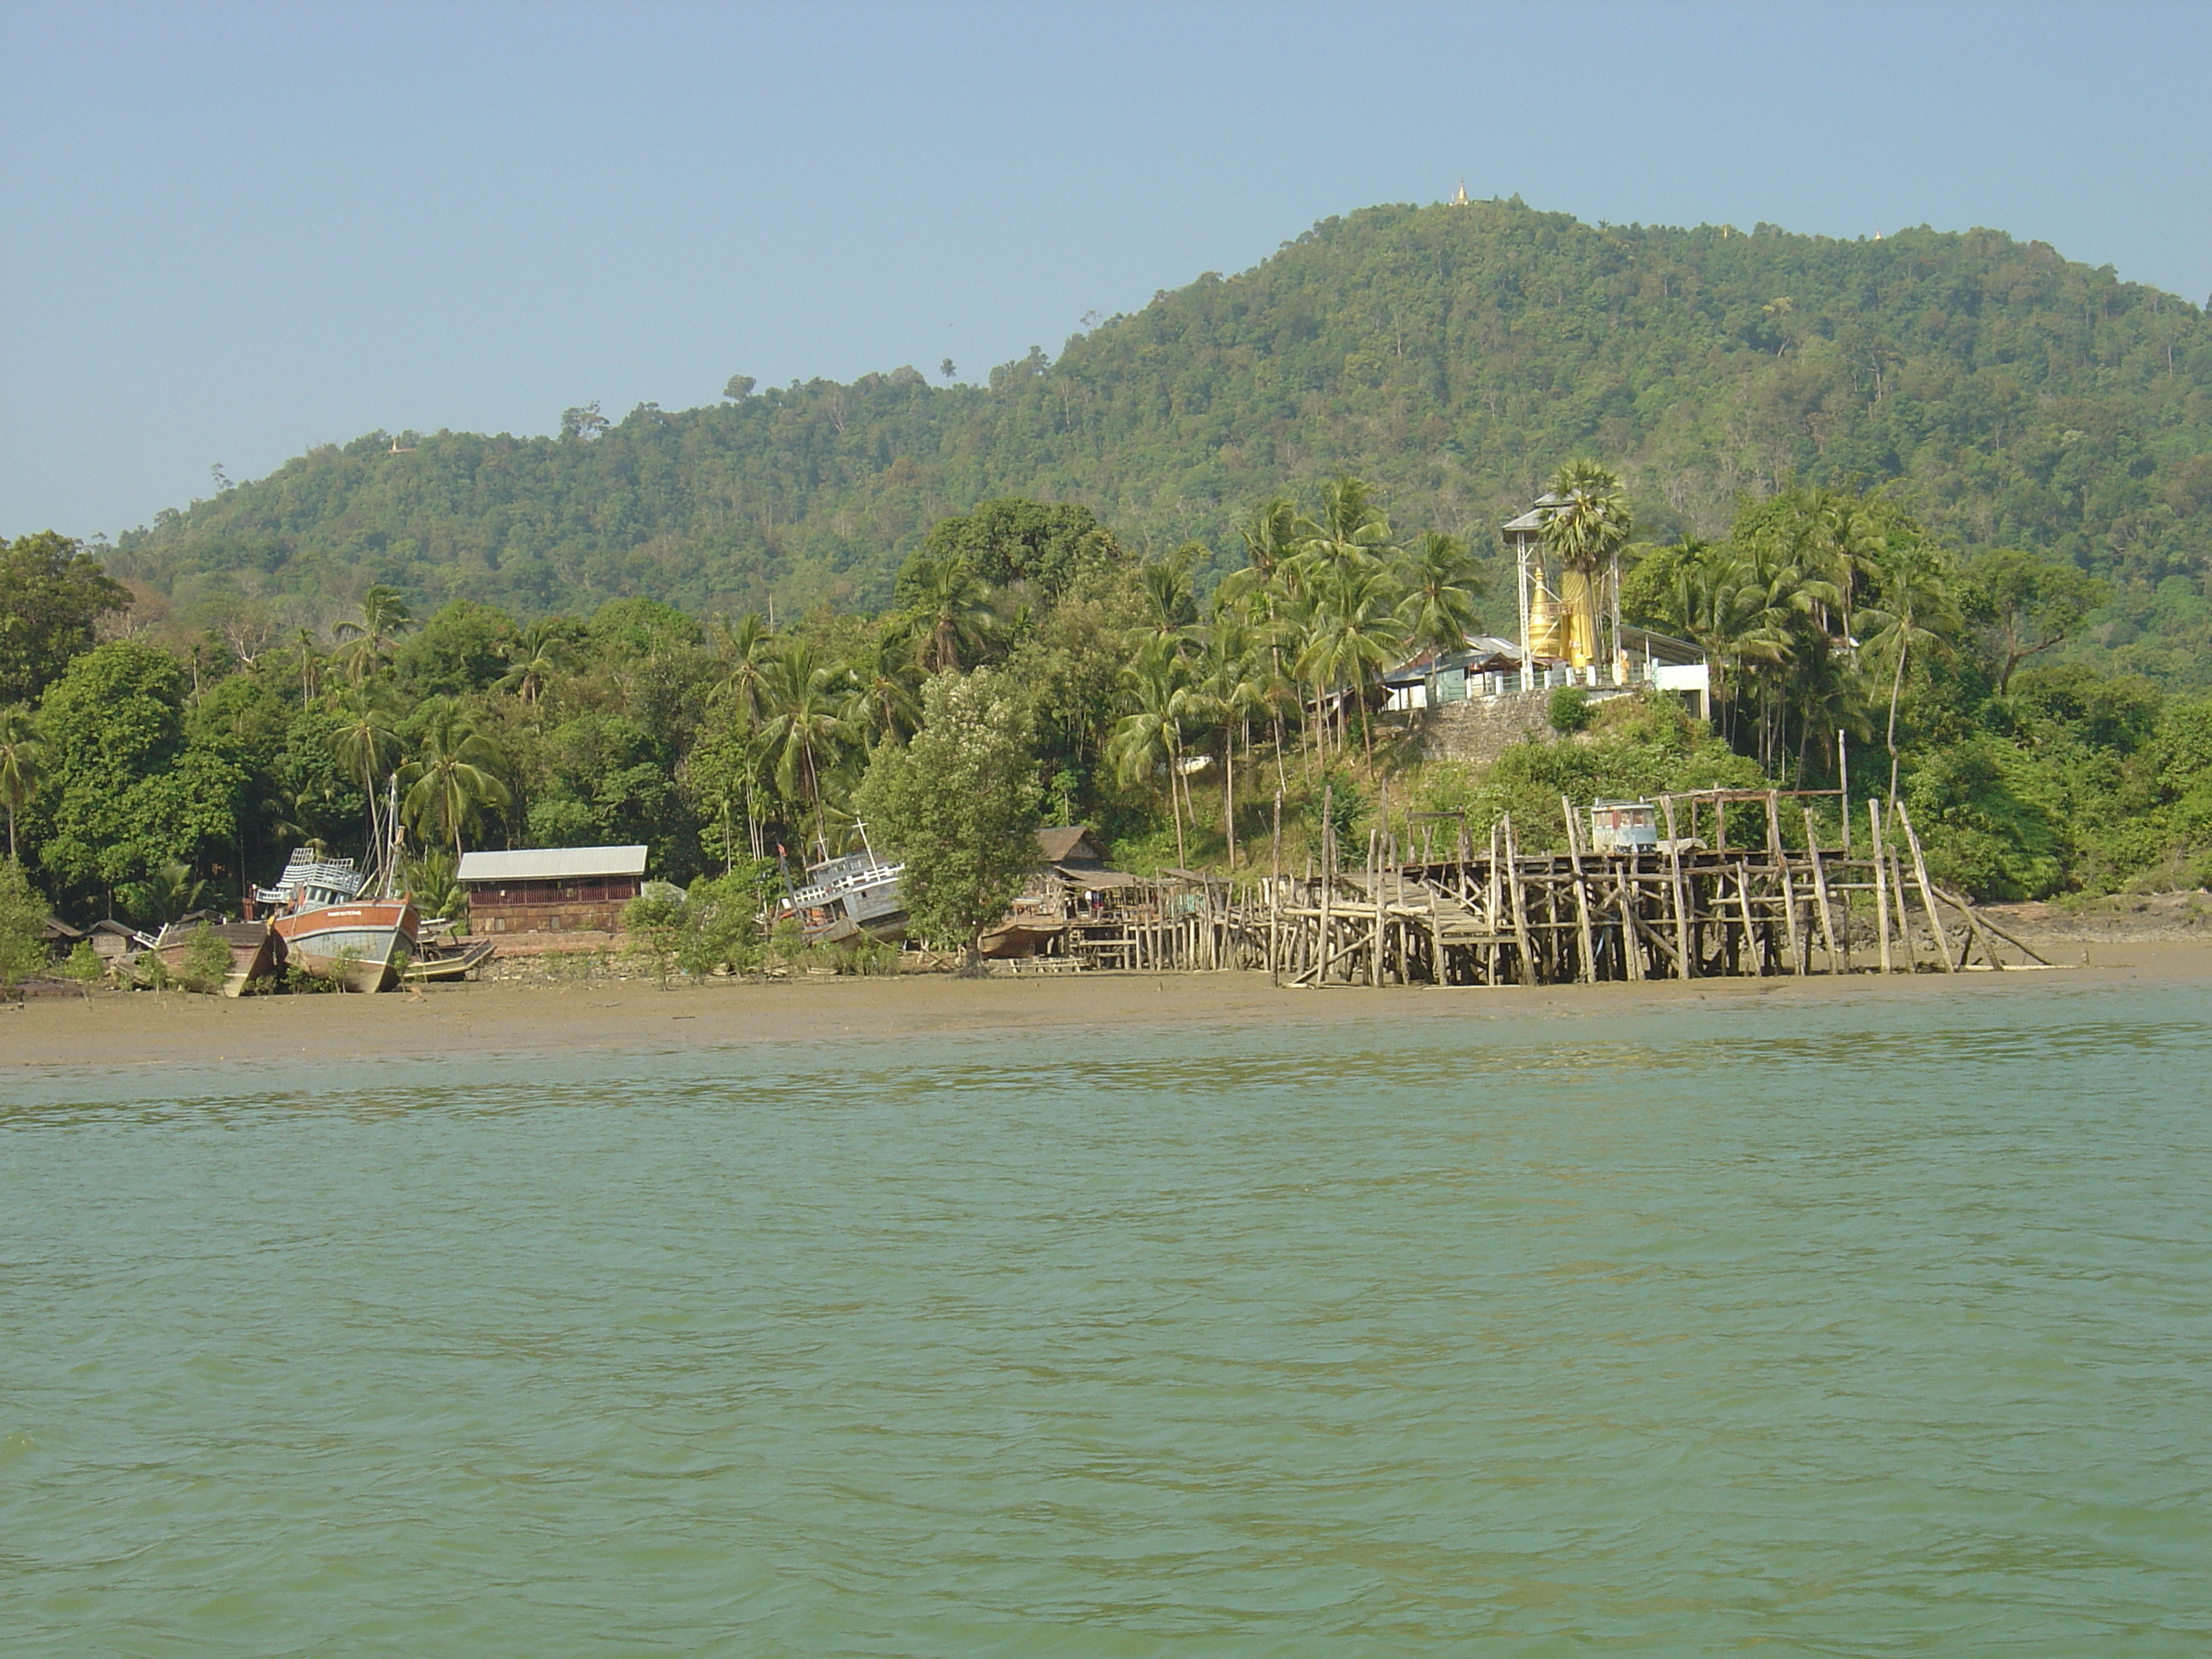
<point>231,232</point>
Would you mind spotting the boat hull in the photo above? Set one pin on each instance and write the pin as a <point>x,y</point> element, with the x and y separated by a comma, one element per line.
<point>459,960</point>
<point>364,945</point>
<point>255,951</point>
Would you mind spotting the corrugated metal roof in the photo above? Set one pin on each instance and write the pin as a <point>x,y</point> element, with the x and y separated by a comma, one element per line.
<point>552,863</point>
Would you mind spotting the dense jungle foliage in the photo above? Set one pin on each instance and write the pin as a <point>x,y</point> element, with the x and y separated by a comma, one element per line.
<point>1452,356</point>
<point>150,768</point>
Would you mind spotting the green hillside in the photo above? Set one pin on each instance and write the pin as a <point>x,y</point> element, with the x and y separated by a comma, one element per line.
<point>1451,355</point>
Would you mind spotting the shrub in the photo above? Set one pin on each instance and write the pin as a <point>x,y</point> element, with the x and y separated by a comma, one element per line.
<point>1568,710</point>
<point>22,919</point>
<point>206,962</point>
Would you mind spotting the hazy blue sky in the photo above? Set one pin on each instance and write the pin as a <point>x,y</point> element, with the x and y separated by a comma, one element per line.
<point>234,231</point>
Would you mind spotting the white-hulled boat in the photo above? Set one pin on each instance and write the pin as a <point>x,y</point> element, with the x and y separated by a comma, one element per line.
<point>851,898</point>
<point>330,930</point>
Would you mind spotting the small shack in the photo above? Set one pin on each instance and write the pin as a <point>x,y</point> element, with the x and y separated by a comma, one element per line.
<point>1624,826</point>
<point>550,889</point>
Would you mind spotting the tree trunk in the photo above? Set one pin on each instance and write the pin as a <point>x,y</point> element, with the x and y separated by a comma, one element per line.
<point>1228,792</point>
<point>1896,690</point>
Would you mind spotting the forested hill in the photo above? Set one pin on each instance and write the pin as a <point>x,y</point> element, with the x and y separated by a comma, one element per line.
<point>1452,355</point>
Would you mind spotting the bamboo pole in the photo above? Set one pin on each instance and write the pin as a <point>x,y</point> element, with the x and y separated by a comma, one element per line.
<point>1683,966</point>
<point>1797,964</point>
<point>1820,894</point>
<point>1374,890</point>
<point>1520,905</point>
<point>1586,969</point>
<point>1928,896</point>
<point>1880,884</point>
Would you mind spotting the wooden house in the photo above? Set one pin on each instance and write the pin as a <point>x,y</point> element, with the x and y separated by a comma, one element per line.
<point>550,889</point>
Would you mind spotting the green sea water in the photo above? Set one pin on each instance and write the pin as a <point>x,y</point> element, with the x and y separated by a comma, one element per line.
<point>1872,1327</point>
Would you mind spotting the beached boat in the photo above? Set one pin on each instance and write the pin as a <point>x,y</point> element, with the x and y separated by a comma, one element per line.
<point>439,957</point>
<point>851,898</point>
<point>256,950</point>
<point>330,930</point>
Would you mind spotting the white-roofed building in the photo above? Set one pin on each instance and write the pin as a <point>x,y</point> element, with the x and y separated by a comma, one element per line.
<point>551,890</point>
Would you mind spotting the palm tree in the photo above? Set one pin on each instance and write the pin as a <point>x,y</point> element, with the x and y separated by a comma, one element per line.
<point>1442,580</point>
<point>950,611</point>
<point>887,701</point>
<point>1149,736</point>
<point>541,652</point>
<point>21,755</point>
<point>1234,679</point>
<point>804,722</point>
<point>1349,531</point>
<point>1271,536</point>
<point>1352,630</point>
<point>303,643</point>
<point>743,649</point>
<point>452,777</point>
<point>1917,612</point>
<point>1169,607</point>
<point>364,743</point>
<point>384,617</point>
<point>1585,534</point>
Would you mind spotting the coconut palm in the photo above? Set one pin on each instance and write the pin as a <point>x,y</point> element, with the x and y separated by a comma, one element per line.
<point>452,777</point>
<point>1148,738</point>
<point>1349,531</point>
<point>950,611</point>
<point>887,701</point>
<point>803,721</point>
<point>1442,581</point>
<point>363,742</point>
<point>1234,679</point>
<point>1352,631</point>
<point>1271,536</point>
<point>1585,533</point>
<point>21,756</point>
<point>541,651</point>
<point>367,643</point>
<point>1917,612</point>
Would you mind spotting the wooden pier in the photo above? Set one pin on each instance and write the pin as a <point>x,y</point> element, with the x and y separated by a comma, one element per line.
<point>1724,894</point>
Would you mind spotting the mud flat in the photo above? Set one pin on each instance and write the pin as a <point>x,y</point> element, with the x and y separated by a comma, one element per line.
<point>121,1031</point>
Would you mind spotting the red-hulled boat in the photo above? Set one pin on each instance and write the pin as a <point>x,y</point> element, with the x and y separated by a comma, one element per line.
<point>330,930</point>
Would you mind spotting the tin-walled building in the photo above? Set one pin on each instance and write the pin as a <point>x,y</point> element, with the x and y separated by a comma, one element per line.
<point>550,889</point>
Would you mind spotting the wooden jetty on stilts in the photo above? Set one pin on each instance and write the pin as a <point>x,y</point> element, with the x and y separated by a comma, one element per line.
<point>1695,903</point>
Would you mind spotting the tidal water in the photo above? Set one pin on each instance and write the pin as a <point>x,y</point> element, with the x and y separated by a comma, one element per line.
<point>1876,1328</point>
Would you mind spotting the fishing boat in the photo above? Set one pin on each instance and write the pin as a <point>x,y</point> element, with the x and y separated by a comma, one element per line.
<point>331,932</point>
<point>856,896</point>
<point>256,950</point>
<point>439,955</point>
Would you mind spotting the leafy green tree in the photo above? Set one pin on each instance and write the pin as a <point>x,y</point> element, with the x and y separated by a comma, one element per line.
<point>51,594</point>
<point>169,894</point>
<point>461,646</point>
<point>20,756</point>
<point>1009,540</point>
<point>2025,603</point>
<point>721,925</point>
<point>126,793</point>
<point>959,807</point>
<point>1915,613</point>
